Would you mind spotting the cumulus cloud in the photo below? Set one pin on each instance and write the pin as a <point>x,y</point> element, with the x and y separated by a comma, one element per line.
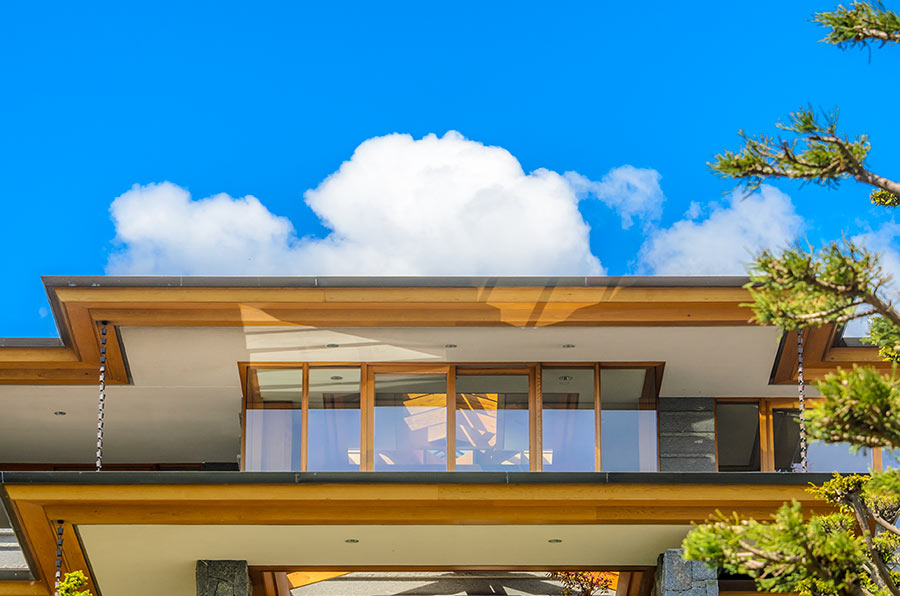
<point>632,192</point>
<point>433,206</point>
<point>724,242</point>
<point>883,240</point>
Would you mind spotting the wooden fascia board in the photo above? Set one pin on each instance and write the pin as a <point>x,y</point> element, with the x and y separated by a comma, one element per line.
<point>39,505</point>
<point>79,311</point>
<point>820,356</point>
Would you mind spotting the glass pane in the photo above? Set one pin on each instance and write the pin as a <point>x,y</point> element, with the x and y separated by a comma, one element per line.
<point>334,420</point>
<point>890,459</point>
<point>12,560</point>
<point>821,457</point>
<point>272,435</point>
<point>492,423</point>
<point>628,421</point>
<point>568,419</point>
<point>737,425</point>
<point>410,422</point>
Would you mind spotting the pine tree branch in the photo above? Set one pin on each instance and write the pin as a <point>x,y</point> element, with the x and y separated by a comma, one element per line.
<point>888,526</point>
<point>882,576</point>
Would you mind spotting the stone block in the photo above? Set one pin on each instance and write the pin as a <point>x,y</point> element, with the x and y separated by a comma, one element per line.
<point>687,464</point>
<point>686,404</point>
<point>702,444</point>
<point>222,578</point>
<point>687,422</point>
<point>677,572</point>
<point>702,571</point>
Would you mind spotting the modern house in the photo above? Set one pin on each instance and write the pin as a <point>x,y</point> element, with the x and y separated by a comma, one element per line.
<point>291,430</point>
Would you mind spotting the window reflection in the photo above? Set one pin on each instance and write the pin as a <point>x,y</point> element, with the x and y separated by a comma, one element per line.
<point>492,422</point>
<point>410,422</point>
<point>273,422</point>
<point>334,420</point>
<point>821,457</point>
<point>628,420</point>
<point>737,426</point>
<point>568,419</point>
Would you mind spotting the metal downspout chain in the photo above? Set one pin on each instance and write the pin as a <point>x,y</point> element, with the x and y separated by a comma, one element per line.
<point>102,400</point>
<point>801,387</point>
<point>59,543</point>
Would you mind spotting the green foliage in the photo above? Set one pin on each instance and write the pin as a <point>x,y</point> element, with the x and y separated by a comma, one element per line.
<point>861,407</point>
<point>819,154</point>
<point>862,23</point>
<point>795,289</point>
<point>884,198</point>
<point>72,583</point>
<point>788,554</point>
<point>886,335</point>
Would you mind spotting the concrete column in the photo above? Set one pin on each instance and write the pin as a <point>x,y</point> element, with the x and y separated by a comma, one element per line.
<point>687,434</point>
<point>677,577</point>
<point>222,578</point>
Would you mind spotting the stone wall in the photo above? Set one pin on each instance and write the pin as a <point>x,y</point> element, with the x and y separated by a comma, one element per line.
<point>687,434</point>
<point>223,578</point>
<point>677,577</point>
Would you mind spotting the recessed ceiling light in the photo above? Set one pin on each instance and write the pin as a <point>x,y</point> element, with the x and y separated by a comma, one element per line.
<point>59,413</point>
<point>568,345</point>
<point>565,378</point>
<point>332,346</point>
<point>555,540</point>
<point>450,345</point>
<point>336,378</point>
<point>351,540</point>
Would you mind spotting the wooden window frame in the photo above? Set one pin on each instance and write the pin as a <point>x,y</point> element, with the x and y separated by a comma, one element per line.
<point>766,427</point>
<point>368,370</point>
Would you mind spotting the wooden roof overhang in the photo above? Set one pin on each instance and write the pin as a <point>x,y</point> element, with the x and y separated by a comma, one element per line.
<point>80,304</point>
<point>36,500</point>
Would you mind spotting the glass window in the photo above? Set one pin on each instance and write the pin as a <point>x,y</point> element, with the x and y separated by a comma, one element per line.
<point>492,422</point>
<point>821,457</point>
<point>890,459</point>
<point>272,436</point>
<point>568,419</point>
<point>334,420</point>
<point>628,420</point>
<point>737,427</point>
<point>410,422</point>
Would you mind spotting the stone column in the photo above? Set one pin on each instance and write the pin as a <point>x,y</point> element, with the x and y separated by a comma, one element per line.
<point>677,577</point>
<point>222,578</point>
<point>687,434</point>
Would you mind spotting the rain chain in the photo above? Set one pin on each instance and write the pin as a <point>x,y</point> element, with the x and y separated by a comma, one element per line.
<point>59,543</point>
<point>802,390</point>
<point>102,401</point>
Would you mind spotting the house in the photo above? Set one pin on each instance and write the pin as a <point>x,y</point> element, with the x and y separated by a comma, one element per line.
<point>301,427</point>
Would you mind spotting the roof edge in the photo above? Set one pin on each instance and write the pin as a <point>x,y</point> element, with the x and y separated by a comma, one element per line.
<point>411,281</point>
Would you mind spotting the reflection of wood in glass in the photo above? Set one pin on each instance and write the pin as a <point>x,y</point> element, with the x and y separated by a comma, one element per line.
<point>427,411</point>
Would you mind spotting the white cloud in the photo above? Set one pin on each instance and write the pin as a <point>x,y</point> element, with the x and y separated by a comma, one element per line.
<point>632,192</point>
<point>433,206</point>
<point>883,240</point>
<point>723,243</point>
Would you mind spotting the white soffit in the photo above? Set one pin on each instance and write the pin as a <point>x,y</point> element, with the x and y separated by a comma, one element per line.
<point>700,361</point>
<point>168,553</point>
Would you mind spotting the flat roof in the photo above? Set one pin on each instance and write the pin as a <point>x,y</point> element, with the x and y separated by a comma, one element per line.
<point>412,281</point>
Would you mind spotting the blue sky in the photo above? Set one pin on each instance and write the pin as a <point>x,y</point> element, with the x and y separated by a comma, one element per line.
<point>269,99</point>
